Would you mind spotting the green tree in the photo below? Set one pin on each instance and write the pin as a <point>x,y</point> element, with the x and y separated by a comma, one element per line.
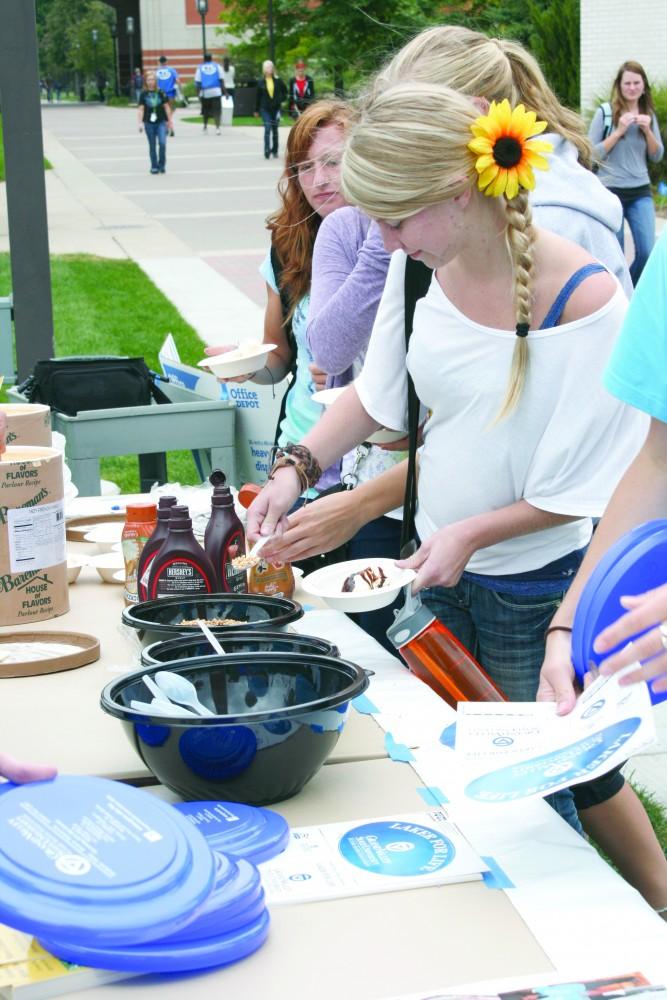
<point>549,28</point>
<point>66,38</point>
<point>554,40</point>
<point>344,40</point>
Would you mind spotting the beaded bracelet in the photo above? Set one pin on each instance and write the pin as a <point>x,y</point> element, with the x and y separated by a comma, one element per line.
<point>557,628</point>
<point>302,459</point>
<point>287,460</point>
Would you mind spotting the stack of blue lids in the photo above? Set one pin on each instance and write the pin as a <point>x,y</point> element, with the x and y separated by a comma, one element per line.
<point>106,875</point>
<point>239,831</point>
<point>637,562</point>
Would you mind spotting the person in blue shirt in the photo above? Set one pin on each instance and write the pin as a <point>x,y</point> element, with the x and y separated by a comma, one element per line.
<point>210,88</point>
<point>167,81</point>
<point>636,374</point>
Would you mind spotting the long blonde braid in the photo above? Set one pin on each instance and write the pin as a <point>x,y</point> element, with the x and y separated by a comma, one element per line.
<point>520,243</point>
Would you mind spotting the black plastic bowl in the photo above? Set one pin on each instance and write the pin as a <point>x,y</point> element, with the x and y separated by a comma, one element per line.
<point>186,647</point>
<point>278,717</point>
<point>161,619</point>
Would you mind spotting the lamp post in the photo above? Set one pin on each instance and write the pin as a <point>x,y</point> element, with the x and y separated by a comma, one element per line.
<point>94,33</point>
<point>272,37</point>
<point>113,28</point>
<point>202,7</point>
<point>129,28</point>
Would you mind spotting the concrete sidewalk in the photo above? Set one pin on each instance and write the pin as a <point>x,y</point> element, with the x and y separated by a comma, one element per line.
<point>198,246</point>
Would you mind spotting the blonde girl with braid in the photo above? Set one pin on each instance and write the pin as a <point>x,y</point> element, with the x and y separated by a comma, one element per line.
<point>521,444</point>
<point>568,199</point>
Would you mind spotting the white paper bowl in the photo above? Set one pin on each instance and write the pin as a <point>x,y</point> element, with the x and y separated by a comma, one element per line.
<point>327,397</point>
<point>107,565</point>
<point>246,359</point>
<point>327,583</point>
<point>75,564</point>
<point>105,536</point>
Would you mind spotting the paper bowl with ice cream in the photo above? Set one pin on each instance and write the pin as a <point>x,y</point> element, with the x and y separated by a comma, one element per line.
<point>358,584</point>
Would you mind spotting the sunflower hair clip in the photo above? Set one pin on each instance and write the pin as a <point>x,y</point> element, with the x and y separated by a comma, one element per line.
<point>506,149</point>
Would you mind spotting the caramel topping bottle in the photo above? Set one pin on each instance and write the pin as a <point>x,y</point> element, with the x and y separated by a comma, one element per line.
<point>266,578</point>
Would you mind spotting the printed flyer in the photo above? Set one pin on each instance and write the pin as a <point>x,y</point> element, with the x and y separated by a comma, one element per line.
<point>632,984</point>
<point>368,856</point>
<point>511,751</point>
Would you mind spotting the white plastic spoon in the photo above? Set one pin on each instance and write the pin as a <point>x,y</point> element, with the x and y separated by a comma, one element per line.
<point>259,544</point>
<point>165,708</point>
<point>181,690</point>
<point>157,692</point>
<point>211,638</point>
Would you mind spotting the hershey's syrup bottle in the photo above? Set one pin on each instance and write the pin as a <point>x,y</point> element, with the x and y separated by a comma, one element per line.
<point>224,539</point>
<point>154,544</point>
<point>181,566</point>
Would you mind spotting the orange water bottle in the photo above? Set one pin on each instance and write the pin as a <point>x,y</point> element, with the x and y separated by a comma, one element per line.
<point>437,657</point>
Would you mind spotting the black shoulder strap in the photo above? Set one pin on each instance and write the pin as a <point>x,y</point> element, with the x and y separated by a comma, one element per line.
<point>277,266</point>
<point>417,281</point>
<point>607,119</point>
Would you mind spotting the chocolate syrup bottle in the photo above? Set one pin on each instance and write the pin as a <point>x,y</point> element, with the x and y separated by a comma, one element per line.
<point>437,657</point>
<point>224,541</point>
<point>181,566</point>
<point>153,545</point>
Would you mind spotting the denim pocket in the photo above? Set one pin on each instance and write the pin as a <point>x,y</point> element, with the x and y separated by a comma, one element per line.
<point>547,603</point>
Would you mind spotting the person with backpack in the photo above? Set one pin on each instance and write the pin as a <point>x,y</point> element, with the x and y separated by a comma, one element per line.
<point>210,88</point>
<point>168,82</point>
<point>626,136</point>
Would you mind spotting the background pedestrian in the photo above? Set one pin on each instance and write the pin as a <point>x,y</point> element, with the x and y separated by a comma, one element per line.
<point>271,92</point>
<point>626,135</point>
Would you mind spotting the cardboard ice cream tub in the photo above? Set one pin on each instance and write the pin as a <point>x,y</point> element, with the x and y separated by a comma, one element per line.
<point>33,555</point>
<point>28,423</point>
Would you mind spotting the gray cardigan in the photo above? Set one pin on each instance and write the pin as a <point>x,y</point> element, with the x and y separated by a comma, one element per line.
<point>626,165</point>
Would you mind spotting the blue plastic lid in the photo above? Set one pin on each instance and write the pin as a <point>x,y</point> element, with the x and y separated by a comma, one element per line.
<point>238,830</point>
<point>634,564</point>
<point>237,898</point>
<point>621,547</point>
<point>98,862</point>
<point>167,957</point>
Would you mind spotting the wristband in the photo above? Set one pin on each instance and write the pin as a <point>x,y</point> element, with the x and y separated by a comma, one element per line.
<point>557,628</point>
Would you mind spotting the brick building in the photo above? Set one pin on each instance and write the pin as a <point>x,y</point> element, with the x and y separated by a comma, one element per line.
<point>172,28</point>
<point>613,31</point>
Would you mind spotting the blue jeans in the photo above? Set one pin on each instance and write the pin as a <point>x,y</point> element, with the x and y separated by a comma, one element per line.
<point>505,634</point>
<point>270,120</point>
<point>156,133</point>
<point>641,220</point>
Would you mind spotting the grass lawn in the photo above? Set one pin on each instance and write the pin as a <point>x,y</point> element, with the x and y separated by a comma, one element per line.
<point>47,165</point>
<point>241,120</point>
<point>111,307</point>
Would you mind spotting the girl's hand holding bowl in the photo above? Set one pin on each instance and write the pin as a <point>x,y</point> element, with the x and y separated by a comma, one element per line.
<point>243,363</point>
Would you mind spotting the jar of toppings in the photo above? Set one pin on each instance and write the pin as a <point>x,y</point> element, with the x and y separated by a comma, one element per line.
<point>140,523</point>
<point>266,578</point>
